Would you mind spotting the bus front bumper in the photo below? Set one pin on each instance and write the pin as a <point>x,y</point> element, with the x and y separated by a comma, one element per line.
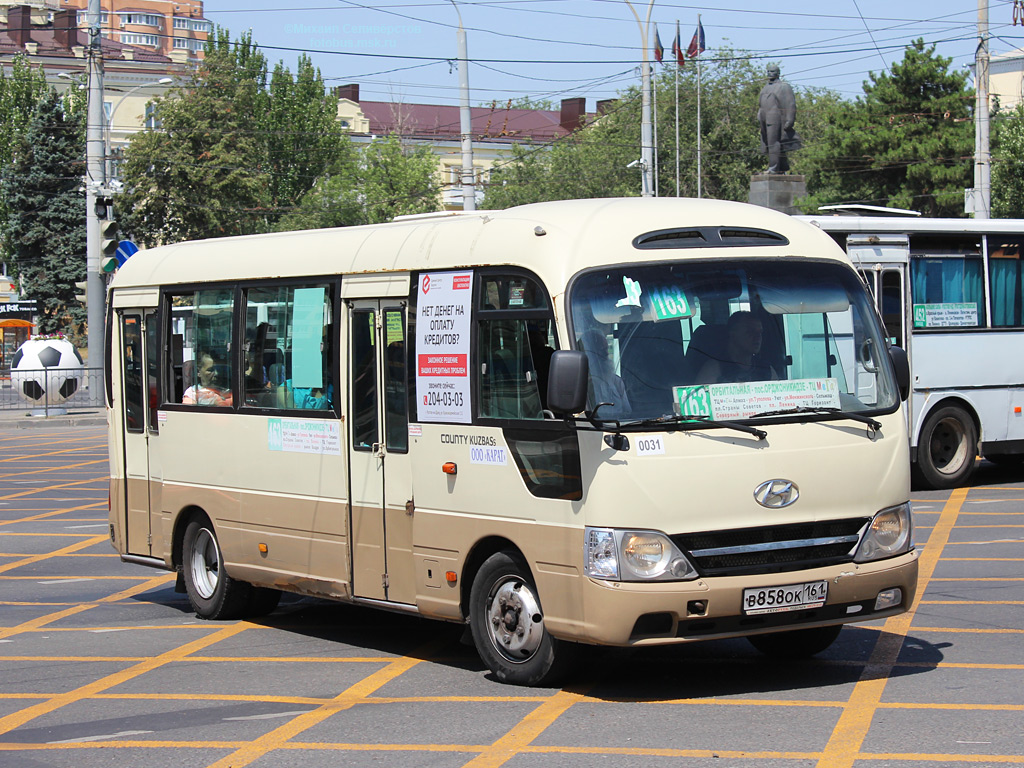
<point>659,613</point>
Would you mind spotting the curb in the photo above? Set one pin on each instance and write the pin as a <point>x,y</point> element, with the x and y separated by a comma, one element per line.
<point>64,420</point>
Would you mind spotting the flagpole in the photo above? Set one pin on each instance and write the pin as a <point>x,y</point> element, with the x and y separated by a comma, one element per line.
<point>677,122</point>
<point>699,51</point>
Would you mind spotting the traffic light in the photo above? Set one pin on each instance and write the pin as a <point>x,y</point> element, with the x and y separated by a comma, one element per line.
<point>83,286</point>
<point>108,245</point>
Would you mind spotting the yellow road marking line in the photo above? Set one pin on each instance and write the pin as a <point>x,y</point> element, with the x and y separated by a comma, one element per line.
<point>967,630</point>
<point>53,488</point>
<point>528,729</point>
<point>39,558</point>
<point>59,468</point>
<point>41,621</point>
<point>54,513</point>
<point>354,694</point>
<point>970,602</point>
<point>855,721</point>
<point>20,718</point>
<point>26,457</point>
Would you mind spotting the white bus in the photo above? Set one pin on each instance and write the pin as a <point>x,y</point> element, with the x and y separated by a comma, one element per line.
<point>620,422</point>
<point>949,292</point>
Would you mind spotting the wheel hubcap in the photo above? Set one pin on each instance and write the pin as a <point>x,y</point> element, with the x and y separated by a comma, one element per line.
<point>514,620</point>
<point>948,446</point>
<point>205,564</point>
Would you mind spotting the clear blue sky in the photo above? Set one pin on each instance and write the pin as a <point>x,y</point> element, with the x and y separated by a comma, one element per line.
<point>553,49</point>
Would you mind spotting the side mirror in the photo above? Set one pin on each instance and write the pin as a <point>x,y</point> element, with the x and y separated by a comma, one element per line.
<point>901,364</point>
<point>567,381</point>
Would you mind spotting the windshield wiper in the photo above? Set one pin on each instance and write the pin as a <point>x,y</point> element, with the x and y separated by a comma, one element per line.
<point>875,425</point>
<point>682,418</point>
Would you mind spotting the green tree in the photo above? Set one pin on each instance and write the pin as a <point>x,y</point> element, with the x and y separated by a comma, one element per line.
<point>43,195</point>
<point>204,172</point>
<point>1008,164</point>
<point>20,91</point>
<point>906,143</point>
<point>385,179</point>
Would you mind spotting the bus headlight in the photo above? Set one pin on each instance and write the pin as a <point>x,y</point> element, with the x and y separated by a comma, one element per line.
<point>890,532</point>
<point>617,555</point>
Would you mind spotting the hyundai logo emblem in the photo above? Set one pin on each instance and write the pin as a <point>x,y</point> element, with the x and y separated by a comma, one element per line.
<point>776,494</point>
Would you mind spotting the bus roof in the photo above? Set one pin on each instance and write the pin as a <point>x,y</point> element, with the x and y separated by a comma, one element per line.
<point>553,239</point>
<point>905,225</point>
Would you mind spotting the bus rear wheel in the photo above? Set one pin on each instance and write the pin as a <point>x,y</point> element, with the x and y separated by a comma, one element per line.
<point>507,624</point>
<point>796,643</point>
<point>212,593</point>
<point>947,448</point>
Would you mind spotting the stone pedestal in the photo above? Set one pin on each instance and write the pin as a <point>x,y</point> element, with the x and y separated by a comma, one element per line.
<point>777,191</point>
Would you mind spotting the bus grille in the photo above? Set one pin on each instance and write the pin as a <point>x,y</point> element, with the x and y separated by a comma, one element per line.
<point>772,548</point>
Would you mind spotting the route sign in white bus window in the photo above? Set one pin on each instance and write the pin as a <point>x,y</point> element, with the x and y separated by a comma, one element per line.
<point>442,346</point>
<point>946,315</point>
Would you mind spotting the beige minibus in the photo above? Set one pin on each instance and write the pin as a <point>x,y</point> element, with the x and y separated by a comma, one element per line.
<point>621,422</point>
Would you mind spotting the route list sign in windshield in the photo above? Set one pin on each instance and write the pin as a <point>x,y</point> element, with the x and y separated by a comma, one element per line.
<point>442,346</point>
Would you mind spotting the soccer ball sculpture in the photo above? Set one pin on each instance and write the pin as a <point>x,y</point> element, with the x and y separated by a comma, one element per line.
<point>46,371</point>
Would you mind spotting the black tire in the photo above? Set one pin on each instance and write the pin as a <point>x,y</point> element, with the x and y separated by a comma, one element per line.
<point>796,643</point>
<point>946,448</point>
<point>507,623</point>
<point>212,593</point>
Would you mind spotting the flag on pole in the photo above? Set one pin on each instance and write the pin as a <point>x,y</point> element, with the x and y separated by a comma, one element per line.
<point>659,49</point>
<point>677,48</point>
<point>697,43</point>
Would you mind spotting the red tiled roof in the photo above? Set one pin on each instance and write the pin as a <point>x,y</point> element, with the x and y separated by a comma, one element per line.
<point>442,121</point>
<point>48,46</point>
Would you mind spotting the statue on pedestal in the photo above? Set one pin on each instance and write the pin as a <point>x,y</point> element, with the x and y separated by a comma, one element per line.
<point>776,115</point>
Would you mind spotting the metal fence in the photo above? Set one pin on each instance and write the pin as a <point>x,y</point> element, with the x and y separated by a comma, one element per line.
<point>52,390</point>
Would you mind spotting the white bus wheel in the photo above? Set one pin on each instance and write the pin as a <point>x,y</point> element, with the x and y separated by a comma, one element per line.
<point>212,593</point>
<point>507,623</point>
<point>946,448</point>
<point>796,643</point>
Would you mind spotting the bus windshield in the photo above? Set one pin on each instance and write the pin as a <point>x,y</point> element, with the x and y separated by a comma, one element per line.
<point>730,339</point>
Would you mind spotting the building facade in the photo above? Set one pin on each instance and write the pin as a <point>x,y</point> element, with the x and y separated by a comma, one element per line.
<point>496,129</point>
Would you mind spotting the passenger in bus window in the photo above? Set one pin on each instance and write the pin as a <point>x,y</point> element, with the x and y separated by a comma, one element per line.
<point>740,360</point>
<point>207,391</point>
<point>606,386</point>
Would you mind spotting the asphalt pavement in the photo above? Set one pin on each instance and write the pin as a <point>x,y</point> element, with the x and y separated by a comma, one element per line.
<point>103,664</point>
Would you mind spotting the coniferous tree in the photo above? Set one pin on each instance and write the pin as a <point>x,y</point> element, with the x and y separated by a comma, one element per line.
<point>43,195</point>
<point>907,143</point>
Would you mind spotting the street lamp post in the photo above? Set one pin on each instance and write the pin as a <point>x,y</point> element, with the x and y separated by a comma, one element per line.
<point>646,133</point>
<point>465,121</point>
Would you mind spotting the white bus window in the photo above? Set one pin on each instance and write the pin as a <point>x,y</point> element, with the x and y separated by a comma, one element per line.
<point>201,343</point>
<point>947,287</point>
<point>1007,281</point>
<point>287,349</point>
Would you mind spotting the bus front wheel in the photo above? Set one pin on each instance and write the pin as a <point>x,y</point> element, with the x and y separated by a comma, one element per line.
<point>946,448</point>
<point>212,593</point>
<point>507,623</point>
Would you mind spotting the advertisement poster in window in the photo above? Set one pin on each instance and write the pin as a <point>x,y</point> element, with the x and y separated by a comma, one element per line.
<point>442,346</point>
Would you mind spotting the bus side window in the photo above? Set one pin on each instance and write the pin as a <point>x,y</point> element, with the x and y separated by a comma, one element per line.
<point>514,347</point>
<point>396,383</point>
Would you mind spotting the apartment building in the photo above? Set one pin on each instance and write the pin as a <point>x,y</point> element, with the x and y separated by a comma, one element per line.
<point>173,28</point>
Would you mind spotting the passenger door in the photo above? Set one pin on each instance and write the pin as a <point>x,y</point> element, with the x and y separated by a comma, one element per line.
<point>138,397</point>
<point>381,479</point>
